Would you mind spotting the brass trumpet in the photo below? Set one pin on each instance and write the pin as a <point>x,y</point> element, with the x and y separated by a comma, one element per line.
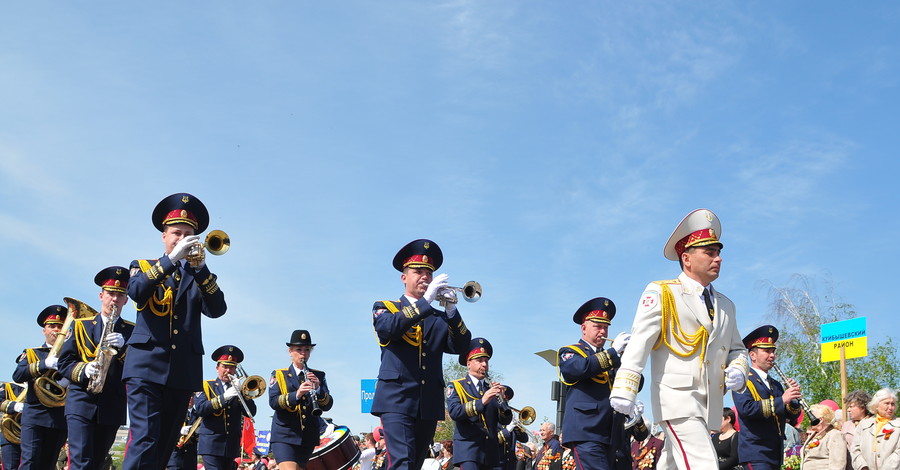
<point>217,243</point>
<point>471,292</point>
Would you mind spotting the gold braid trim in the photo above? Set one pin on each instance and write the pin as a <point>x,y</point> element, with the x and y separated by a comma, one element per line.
<point>601,378</point>
<point>209,285</point>
<point>34,363</point>
<point>214,399</point>
<point>160,307</point>
<point>76,372</point>
<point>284,398</point>
<point>671,327</point>
<point>468,401</point>
<point>628,381</point>
<point>83,341</point>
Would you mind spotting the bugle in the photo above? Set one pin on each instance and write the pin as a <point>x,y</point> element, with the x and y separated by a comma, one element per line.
<point>813,420</point>
<point>471,292</point>
<point>217,243</point>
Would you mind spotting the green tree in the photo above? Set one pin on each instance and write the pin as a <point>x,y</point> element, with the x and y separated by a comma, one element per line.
<point>798,313</point>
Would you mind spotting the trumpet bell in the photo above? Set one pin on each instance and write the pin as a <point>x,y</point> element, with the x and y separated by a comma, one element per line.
<point>217,242</point>
<point>49,392</point>
<point>527,415</point>
<point>253,387</point>
<point>471,291</point>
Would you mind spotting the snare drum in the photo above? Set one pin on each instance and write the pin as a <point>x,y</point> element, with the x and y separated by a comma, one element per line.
<point>336,451</point>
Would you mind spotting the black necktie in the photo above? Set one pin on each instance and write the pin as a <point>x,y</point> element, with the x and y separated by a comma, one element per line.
<point>709,304</point>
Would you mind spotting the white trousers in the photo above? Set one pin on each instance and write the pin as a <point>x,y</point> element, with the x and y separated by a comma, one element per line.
<point>688,445</point>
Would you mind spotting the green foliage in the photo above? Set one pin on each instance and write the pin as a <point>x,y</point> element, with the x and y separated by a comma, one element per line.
<point>798,313</point>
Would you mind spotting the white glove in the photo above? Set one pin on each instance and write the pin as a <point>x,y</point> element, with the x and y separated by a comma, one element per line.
<point>622,340</point>
<point>18,407</point>
<point>91,369</point>
<point>639,407</point>
<point>231,393</point>
<point>735,379</point>
<point>450,295</point>
<point>184,430</point>
<point>622,405</point>
<point>183,247</point>
<point>510,427</point>
<point>51,361</point>
<point>115,340</point>
<point>436,285</point>
<point>63,382</point>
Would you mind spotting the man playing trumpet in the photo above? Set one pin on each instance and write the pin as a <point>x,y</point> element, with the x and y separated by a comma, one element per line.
<point>43,427</point>
<point>165,356</point>
<point>590,427</point>
<point>473,403</point>
<point>413,337</point>
<point>94,418</point>
<point>220,407</point>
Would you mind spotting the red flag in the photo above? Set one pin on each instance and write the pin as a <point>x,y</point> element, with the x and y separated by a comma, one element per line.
<point>248,437</point>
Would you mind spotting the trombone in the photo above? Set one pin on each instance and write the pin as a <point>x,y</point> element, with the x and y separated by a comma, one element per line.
<point>252,387</point>
<point>217,243</point>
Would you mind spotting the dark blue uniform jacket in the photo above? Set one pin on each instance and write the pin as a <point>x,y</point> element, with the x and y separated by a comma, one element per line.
<point>223,421</point>
<point>293,422</point>
<point>108,407</point>
<point>762,414</point>
<point>478,426</point>
<point>590,376</point>
<point>413,338</point>
<point>166,346</point>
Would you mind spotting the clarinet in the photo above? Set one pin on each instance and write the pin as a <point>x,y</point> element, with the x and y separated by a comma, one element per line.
<point>316,411</point>
<point>813,420</point>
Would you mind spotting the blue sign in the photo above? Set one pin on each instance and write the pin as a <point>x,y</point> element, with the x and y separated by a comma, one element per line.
<point>367,394</point>
<point>262,441</point>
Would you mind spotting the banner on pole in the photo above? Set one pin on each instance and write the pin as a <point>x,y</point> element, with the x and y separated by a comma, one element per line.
<point>849,334</point>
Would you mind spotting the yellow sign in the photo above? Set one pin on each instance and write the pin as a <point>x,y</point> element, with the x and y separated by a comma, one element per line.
<point>847,334</point>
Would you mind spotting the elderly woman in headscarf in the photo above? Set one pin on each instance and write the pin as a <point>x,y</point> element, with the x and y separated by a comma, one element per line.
<point>824,449</point>
<point>875,439</point>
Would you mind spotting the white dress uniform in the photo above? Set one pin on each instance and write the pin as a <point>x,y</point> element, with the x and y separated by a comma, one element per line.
<point>689,353</point>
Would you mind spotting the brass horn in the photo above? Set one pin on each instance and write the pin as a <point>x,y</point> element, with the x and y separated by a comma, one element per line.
<point>11,423</point>
<point>47,389</point>
<point>527,415</point>
<point>216,243</point>
<point>471,292</point>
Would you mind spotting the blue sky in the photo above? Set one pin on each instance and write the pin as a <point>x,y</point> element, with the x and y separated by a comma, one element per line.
<point>549,148</point>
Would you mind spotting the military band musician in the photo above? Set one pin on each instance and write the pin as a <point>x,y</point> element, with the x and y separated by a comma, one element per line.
<point>94,418</point>
<point>165,356</point>
<point>222,411</point>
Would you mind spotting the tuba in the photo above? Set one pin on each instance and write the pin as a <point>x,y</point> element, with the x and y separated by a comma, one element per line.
<point>48,391</point>
<point>217,243</point>
<point>11,423</point>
